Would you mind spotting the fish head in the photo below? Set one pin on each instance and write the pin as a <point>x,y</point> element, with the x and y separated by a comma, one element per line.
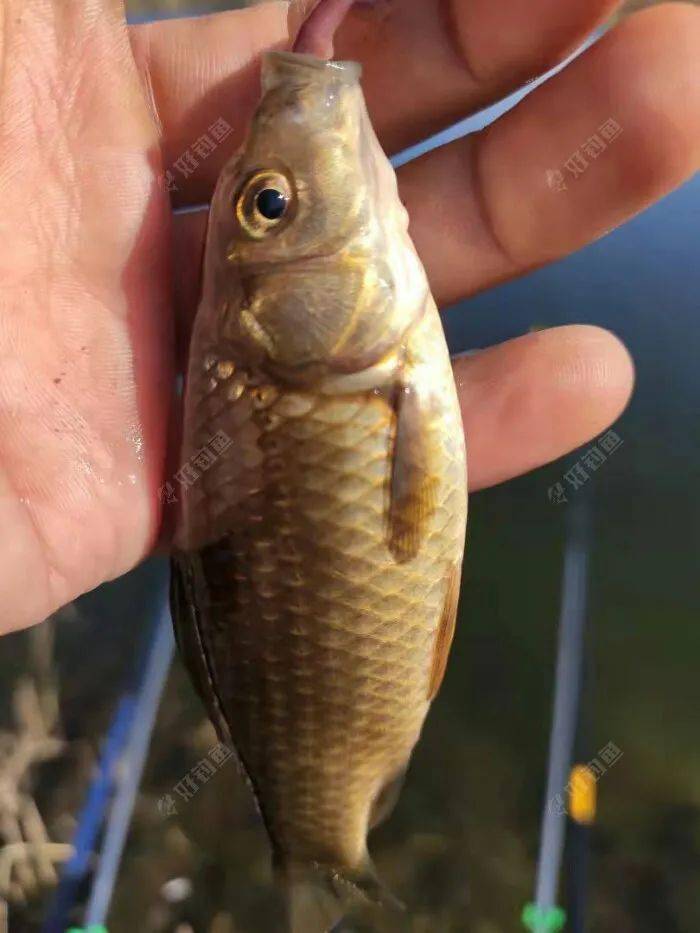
<point>308,237</point>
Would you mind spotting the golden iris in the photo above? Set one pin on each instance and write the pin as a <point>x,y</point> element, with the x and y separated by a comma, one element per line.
<point>263,203</point>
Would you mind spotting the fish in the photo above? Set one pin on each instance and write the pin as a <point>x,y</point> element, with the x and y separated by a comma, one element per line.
<point>317,556</point>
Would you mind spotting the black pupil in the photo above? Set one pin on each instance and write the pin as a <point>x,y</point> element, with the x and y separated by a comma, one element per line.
<point>271,203</point>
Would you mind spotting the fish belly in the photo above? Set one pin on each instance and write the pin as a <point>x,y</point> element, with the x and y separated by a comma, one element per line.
<point>319,644</point>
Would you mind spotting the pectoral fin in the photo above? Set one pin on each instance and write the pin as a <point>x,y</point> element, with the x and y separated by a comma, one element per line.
<point>413,480</point>
<point>445,631</point>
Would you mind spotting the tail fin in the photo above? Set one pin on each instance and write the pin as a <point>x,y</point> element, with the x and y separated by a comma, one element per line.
<point>319,896</point>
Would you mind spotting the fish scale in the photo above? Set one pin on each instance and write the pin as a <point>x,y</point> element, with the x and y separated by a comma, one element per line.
<point>366,625</point>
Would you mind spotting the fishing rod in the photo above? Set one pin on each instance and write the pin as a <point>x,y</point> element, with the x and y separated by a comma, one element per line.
<point>117,778</point>
<point>132,764</point>
<point>544,915</point>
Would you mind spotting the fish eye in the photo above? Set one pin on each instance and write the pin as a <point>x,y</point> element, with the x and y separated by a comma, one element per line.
<point>271,203</point>
<point>263,203</point>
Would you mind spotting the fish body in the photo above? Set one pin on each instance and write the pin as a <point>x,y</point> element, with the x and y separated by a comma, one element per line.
<point>317,561</point>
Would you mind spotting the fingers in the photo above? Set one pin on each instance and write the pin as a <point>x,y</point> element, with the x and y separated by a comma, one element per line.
<point>485,209</point>
<point>199,71</point>
<point>425,64</point>
<point>555,174</point>
<point>298,12</point>
<point>428,64</point>
<point>533,399</point>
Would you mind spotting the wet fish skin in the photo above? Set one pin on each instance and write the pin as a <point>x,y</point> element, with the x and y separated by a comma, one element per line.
<point>317,561</point>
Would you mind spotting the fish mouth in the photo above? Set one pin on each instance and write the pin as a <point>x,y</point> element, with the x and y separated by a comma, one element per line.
<point>279,67</point>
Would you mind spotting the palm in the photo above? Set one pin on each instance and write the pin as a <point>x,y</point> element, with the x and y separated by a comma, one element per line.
<point>86,375</point>
<point>85,337</point>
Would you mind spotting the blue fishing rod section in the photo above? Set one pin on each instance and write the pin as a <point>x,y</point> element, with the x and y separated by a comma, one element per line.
<point>544,915</point>
<point>106,814</point>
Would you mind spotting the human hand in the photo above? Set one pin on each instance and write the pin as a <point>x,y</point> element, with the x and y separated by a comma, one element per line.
<point>92,114</point>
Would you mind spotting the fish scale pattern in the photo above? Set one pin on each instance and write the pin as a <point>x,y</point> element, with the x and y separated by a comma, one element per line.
<point>319,642</point>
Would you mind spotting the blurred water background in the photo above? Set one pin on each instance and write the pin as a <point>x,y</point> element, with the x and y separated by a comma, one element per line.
<point>462,844</point>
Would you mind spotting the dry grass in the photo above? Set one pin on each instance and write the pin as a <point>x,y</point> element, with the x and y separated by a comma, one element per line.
<point>28,856</point>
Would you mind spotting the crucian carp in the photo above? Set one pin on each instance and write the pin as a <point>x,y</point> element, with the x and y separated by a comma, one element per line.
<point>317,560</point>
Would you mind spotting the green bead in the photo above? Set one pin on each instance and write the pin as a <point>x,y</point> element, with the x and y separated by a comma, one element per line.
<point>536,920</point>
<point>93,928</point>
